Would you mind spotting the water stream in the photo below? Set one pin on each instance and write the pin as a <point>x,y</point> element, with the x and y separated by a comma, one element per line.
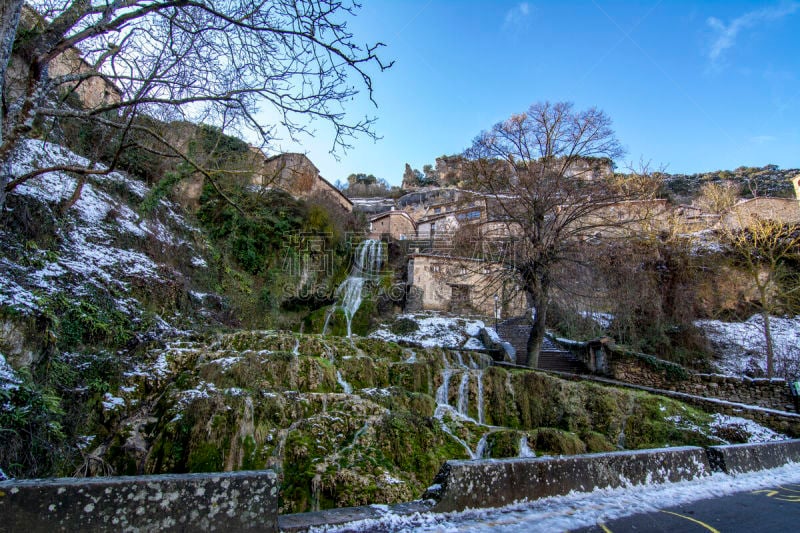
<point>461,407</point>
<point>367,263</point>
<point>524,449</point>
<point>348,389</point>
<point>481,417</point>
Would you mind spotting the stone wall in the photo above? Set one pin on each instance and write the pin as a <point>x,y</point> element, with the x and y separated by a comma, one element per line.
<point>653,372</point>
<point>441,279</point>
<point>232,501</point>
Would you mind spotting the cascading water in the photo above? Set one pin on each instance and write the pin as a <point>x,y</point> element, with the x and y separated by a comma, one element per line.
<point>524,448</point>
<point>348,389</point>
<point>460,409</point>
<point>463,394</point>
<point>481,417</point>
<point>366,267</point>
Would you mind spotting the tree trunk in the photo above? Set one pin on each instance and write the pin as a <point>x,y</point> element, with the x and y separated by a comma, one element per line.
<point>770,348</point>
<point>534,346</point>
<point>9,20</point>
<point>538,295</point>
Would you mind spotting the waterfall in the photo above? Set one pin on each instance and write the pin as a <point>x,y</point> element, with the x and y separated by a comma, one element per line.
<point>367,263</point>
<point>441,392</point>
<point>348,389</point>
<point>463,394</point>
<point>481,417</point>
<point>524,449</point>
<point>460,359</point>
<point>481,449</point>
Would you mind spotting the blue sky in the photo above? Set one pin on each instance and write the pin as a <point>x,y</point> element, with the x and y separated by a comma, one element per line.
<point>695,86</point>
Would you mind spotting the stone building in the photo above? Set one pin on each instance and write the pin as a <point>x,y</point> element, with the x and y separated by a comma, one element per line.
<point>396,224</point>
<point>784,210</point>
<point>93,90</point>
<point>297,175</point>
<point>461,285</point>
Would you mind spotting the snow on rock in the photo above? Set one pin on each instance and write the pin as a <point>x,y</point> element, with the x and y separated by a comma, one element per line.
<point>111,402</point>
<point>723,425</point>
<point>756,432</point>
<point>433,330</point>
<point>99,237</point>
<point>740,346</point>
<point>473,344</point>
<point>8,378</point>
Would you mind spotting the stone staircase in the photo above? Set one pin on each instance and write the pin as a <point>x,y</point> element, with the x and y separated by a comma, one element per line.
<point>516,332</point>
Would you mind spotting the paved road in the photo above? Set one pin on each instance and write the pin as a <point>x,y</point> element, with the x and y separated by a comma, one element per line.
<point>772,509</point>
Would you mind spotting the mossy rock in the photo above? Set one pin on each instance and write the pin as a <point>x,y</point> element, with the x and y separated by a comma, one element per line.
<point>379,349</point>
<point>399,400</point>
<point>648,426</point>
<point>503,443</point>
<point>414,377</point>
<point>364,371</point>
<point>558,442</point>
<point>597,442</point>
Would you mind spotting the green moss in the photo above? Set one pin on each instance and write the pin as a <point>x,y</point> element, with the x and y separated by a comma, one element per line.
<point>648,427</point>
<point>503,443</point>
<point>205,457</point>
<point>414,377</point>
<point>597,442</point>
<point>559,442</point>
<point>403,326</point>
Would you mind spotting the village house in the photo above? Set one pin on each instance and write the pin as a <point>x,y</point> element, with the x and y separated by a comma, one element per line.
<point>395,224</point>
<point>461,285</point>
<point>297,175</point>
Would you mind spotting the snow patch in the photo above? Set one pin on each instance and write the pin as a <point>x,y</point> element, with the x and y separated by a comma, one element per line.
<point>8,378</point>
<point>111,402</point>
<point>433,331</point>
<point>740,346</point>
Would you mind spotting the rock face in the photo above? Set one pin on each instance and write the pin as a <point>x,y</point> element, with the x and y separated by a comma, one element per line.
<point>351,422</point>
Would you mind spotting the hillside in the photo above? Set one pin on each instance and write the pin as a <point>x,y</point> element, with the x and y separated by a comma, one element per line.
<point>768,180</point>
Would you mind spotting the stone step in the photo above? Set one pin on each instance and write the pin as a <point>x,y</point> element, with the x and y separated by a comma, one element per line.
<point>516,332</point>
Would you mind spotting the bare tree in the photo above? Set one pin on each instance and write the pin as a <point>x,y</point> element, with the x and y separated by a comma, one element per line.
<point>765,249</point>
<point>221,63</point>
<point>718,197</point>
<point>547,173</point>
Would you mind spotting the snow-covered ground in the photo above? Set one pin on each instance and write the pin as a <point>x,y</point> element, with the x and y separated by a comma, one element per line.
<point>87,254</point>
<point>741,348</point>
<point>435,330</point>
<point>577,510</point>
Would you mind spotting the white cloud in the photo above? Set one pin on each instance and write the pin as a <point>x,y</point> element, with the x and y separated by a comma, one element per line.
<point>726,34</point>
<point>517,15</point>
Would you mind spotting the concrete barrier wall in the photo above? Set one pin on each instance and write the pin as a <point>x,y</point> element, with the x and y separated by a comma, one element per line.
<point>472,484</point>
<point>230,502</point>
<point>463,485</point>
<point>739,458</point>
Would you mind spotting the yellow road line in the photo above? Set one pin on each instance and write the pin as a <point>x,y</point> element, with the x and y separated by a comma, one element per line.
<point>689,518</point>
<point>604,528</point>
